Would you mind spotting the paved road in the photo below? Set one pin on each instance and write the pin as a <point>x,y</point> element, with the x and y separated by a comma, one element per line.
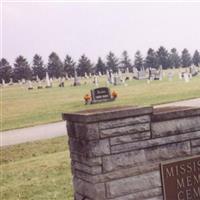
<point>192,103</point>
<point>32,133</point>
<point>58,129</point>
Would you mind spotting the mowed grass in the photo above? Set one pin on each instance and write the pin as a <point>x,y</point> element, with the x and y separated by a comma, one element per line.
<point>23,108</point>
<point>36,171</point>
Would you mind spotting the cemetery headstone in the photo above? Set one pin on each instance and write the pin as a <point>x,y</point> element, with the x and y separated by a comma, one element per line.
<point>39,85</point>
<point>62,82</point>
<point>96,81</point>
<point>76,79</point>
<point>3,82</point>
<point>135,73</point>
<point>186,77</point>
<point>170,76</point>
<point>11,81</point>
<point>23,81</point>
<point>116,80</point>
<point>101,94</point>
<point>142,74</point>
<point>48,84</point>
<point>30,86</point>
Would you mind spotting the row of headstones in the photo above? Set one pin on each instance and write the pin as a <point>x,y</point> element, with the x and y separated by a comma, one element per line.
<point>158,74</point>
<point>116,78</point>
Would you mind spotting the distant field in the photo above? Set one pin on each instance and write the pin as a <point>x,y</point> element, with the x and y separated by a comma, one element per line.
<point>23,108</point>
<point>36,171</point>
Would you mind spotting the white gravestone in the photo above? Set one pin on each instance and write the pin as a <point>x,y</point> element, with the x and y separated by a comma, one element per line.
<point>47,80</point>
<point>186,77</point>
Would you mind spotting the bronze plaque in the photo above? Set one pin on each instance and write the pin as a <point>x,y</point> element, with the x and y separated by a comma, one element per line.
<point>181,179</point>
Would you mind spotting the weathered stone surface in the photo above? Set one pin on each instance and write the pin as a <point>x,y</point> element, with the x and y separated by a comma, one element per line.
<point>143,195</point>
<point>125,130</point>
<point>80,197</point>
<point>156,198</point>
<point>86,131</point>
<point>92,148</point>
<point>130,138</point>
<point>195,150</point>
<point>88,190</point>
<point>70,129</point>
<point>169,151</point>
<point>98,115</point>
<point>124,122</point>
<point>195,143</point>
<point>128,159</point>
<point>87,169</point>
<point>169,113</point>
<point>154,142</point>
<point>133,184</point>
<point>174,127</point>
<point>118,174</point>
<point>86,160</point>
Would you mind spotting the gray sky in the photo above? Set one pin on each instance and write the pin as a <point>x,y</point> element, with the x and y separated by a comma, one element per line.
<point>97,28</point>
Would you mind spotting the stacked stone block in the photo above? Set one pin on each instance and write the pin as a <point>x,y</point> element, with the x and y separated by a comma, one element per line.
<point>116,153</point>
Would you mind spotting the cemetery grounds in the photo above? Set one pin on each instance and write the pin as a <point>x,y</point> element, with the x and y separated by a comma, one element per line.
<point>41,170</point>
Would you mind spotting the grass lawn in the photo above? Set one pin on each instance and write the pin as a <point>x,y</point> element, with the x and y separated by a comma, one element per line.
<point>23,108</point>
<point>36,171</point>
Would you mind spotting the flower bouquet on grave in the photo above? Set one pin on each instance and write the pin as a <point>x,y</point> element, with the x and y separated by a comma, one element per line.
<point>114,94</point>
<point>87,99</point>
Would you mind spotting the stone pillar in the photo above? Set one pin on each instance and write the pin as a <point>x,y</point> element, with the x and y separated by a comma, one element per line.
<point>95,141</point>
<point>117,154</point>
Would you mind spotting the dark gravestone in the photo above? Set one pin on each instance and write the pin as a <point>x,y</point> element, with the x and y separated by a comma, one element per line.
<point>102,94</point>
<point>181,179</point>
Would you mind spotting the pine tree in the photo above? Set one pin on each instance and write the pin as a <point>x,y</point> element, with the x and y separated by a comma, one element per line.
<point>112,62</point>
<point>5,70</point>
<point>55,66</point>
<point>69,66</point>
<point>100,66</point>
<point>138,62</point>
<point>196,58</point>
<point>22,69</point>
<point>151,60</point>
<point>84,66</point>
<point>163,57</point>
<point>186,58</point>
<point>38,67</point>
<point>174,58</point>
<point>126,62</point>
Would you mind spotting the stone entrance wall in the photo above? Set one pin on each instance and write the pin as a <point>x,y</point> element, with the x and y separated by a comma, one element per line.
<point>116,153</point>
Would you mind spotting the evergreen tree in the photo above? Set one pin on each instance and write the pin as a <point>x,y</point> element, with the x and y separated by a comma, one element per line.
<point>151,60</point>
<point>112,62</point>
<point>174,58</point>
<point>22,69</point>
<point>38,67</point>
<point>84,66</point>
<point>196,58</point>
<point>186,58</point>
<point>138,62</point>
<point>100,66</point>
<point>69,66</point>
<point>55,66</point>
<point>126,61</point>
<point>5,70</point>
<point>163,57</point>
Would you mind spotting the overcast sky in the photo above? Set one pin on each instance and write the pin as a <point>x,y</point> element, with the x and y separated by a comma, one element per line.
<point>97,28</point>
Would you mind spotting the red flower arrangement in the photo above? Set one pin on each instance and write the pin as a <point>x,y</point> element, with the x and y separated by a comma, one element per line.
<point>87,98</point>
<point>114,95</point>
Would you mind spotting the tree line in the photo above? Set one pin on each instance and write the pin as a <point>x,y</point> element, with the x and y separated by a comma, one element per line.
<point>56,68</point>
